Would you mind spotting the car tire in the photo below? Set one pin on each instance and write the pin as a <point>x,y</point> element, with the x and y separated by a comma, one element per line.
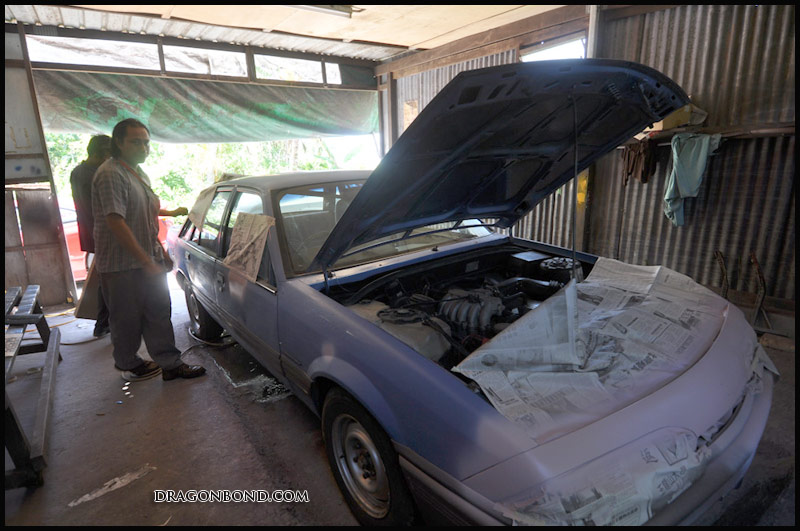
<point>365,465</point>
<point>202,325</point>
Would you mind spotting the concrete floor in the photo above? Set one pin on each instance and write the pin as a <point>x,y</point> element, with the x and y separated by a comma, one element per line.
<point>237,429</point>
<point>218,431</point>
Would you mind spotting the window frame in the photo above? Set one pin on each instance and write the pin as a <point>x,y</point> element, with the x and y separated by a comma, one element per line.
<point>269,283</point>
<point>328,194</point>
<point>214,252</point>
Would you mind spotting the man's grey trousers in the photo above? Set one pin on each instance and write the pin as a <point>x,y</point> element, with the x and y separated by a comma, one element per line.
<point>139,306</point>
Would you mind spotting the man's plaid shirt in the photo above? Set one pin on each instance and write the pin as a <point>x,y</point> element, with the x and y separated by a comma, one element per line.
<point>115,190</point>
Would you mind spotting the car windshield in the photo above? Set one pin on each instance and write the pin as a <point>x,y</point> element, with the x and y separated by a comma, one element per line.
<point>309,213</point>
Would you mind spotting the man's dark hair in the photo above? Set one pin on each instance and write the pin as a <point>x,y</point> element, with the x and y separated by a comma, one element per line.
<point>98,144</point>
<point>120,131</point>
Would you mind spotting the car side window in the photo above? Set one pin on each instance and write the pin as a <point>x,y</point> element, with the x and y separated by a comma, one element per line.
<point>247,203</point>
<point>212,223</point>
<point>187,231</point>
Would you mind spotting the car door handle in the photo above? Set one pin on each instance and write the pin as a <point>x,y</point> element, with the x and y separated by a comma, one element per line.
<point>220,281</point>
<point>187,255</point>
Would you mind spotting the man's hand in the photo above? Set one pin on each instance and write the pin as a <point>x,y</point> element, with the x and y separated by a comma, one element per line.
<point>168,263</point>
<point>151,268</point>
<point>180,211</point>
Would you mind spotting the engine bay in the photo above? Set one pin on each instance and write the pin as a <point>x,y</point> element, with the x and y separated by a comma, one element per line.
<point>447,309</point>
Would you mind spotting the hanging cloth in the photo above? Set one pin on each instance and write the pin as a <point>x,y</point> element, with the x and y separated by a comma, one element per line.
<point>690,153</point>
<point>639,160</point>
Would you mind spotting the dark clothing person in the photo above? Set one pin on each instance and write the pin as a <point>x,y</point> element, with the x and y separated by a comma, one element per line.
<point>99,150</point>
<point>81,181</point>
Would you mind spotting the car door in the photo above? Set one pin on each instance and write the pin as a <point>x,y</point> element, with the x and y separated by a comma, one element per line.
<point>202,252</point>
<point>250,307</point>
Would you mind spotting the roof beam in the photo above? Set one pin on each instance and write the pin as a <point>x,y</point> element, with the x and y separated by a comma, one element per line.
<point>504,36</point>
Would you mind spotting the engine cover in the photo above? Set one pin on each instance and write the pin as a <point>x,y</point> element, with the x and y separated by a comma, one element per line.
<point>471,311</point>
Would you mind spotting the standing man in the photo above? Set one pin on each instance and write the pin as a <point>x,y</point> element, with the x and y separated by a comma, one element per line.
<point>99,149</point>
<point>132,262</point>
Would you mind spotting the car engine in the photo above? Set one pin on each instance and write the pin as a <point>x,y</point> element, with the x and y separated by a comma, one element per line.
<point>446,312</point>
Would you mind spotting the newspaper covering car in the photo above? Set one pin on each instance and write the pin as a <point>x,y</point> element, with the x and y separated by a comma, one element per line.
<point>590,350</point>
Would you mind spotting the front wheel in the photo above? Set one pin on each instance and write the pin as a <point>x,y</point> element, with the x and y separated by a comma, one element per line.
<point>364,463</point>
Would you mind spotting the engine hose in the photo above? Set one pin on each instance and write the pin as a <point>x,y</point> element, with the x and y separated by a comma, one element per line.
<point>536,289</point>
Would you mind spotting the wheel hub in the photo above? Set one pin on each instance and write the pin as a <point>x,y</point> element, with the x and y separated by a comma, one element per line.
<point>360,466</point>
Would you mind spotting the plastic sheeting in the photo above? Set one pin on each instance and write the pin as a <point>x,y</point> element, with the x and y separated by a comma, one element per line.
<point>199,111</point>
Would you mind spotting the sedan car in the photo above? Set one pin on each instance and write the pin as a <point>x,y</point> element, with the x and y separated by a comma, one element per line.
<point>463,375</point>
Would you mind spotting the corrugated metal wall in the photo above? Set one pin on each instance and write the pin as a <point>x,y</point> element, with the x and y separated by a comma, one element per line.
<point>424,86</point>
<point>734,61</point>
<point>737,63</point>
<point>746,203</point>
<point>551,221</point>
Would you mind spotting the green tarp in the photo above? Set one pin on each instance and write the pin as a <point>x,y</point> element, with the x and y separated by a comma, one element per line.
<point>199,111</point>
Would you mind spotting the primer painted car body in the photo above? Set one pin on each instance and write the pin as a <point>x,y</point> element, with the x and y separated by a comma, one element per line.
<point>459,454</point>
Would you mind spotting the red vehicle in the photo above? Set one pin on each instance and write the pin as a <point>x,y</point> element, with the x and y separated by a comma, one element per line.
<point>77,257</point>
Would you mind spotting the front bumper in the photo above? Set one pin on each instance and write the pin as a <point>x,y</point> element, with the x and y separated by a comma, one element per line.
<point>444,500</point>
<point>734,450</point>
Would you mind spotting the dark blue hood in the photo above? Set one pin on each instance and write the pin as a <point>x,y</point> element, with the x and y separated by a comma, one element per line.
<point>496,141</point>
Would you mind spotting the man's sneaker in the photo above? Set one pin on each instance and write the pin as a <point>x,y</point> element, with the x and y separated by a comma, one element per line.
<point>183,371</point>
<point>145,371</point>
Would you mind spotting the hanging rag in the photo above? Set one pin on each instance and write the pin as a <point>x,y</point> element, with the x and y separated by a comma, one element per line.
<point>639,160</point>
<point>690,153</point>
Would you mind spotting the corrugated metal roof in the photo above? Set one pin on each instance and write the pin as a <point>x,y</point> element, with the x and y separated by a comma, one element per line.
<point>68,17</point>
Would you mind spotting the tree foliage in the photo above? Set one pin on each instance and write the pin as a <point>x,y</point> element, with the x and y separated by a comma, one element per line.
<point>178,172</point>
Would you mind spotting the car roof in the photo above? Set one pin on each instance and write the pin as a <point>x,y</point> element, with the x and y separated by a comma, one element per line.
<point>280,181</point>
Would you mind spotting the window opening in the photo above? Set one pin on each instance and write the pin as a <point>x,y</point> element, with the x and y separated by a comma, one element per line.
<point>288,69</point>
<point>213,222</point>
<point>572,48</point>
<point>204,61</point>
<point>93,52</point>
<point>333,75</point>
<point>247,203</point>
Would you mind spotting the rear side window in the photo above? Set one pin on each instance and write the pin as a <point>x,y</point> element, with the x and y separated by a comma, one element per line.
<point>212,223</point>
<point>247,203</point>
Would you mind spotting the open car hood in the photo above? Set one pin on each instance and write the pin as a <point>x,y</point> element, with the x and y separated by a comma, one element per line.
<point>496,141</point>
